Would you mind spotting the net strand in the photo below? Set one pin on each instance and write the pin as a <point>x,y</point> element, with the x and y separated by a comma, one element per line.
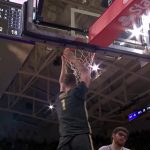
<point>84,57</point>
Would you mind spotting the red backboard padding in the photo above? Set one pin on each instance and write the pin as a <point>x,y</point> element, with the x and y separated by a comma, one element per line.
<point>120,15</point>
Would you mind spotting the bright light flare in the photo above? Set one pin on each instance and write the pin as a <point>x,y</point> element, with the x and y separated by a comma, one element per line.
<point>136,32</point>
<point>95,67</point>
<point>142,30</point>
<point>122,43</point>
<point>51,107</point>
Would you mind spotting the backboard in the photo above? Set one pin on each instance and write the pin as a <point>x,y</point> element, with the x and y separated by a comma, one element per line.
<point>63,21</point>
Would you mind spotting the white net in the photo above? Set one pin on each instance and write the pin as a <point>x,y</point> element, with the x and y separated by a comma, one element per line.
<point>83,56</point>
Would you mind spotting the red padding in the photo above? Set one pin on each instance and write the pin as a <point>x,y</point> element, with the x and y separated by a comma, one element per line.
<point>119,16</point>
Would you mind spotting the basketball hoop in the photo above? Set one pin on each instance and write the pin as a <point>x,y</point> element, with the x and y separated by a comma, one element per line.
<point>85,57</point>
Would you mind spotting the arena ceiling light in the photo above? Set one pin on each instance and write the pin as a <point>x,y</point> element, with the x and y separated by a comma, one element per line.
<point>135,32</point>
<point>141,28</point>
<point>95,67</point>
<point>51,106</point>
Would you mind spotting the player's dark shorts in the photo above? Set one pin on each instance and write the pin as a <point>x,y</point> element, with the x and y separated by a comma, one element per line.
<point>77,142</point>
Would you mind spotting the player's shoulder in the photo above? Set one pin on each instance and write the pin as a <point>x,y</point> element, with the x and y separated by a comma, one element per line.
<point>104,148</point>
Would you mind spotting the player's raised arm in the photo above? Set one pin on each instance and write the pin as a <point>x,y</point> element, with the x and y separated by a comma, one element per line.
<point>84,71</point>
<point>62,74</point>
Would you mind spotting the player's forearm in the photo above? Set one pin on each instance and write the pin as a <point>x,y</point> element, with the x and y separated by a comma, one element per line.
<point>63,70</point>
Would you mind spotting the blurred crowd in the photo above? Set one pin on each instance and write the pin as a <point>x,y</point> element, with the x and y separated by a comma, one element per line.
<point>18,144</point>
<point>136,141</point>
